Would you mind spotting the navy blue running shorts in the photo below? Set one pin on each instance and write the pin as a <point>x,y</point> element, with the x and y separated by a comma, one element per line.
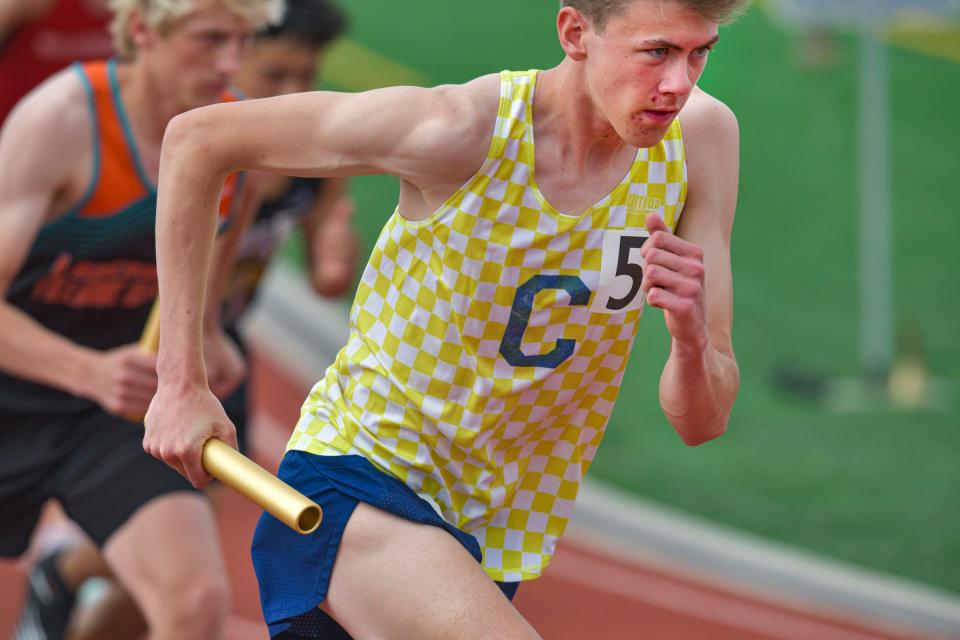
<point>294,570</point>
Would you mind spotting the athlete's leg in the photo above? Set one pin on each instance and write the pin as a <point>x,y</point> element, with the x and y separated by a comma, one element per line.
<point>112,614</point>
<point>399,579</point>
<point>85,601</point>
<point>156,532</point>
<point>80,560</point>
<point>108,614</point>
<point>168,557</point>
<point>29,459</point>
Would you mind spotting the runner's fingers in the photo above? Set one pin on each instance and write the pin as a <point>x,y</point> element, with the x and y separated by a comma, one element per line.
<point>685,266</point>
<point>130,409</point>
<point>136,384</point>
<point>136,359</point>
<point>139,398</point>
<point>673,244</point>
<point>229,438</point>
<point>168,456</point>
<point>171,461</point>
<point>189,460</point>
<point>655,223</point>
<point>669,301</point>
<point>657,276</point>
<point>342,211</point>
<point>131,406</point>
<point>228,433</point>
<point>135,374</point>
<point>143,360</point>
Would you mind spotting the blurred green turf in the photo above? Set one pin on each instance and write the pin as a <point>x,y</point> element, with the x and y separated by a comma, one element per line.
<point>881,488</point>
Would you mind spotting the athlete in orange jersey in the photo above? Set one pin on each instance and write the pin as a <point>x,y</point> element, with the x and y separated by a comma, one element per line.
<point>79,161</point>
<point>284,58</point>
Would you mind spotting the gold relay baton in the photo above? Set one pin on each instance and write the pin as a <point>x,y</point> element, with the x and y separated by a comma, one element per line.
<point>274,496</point>
<point>149,343</point>
<point>150,338</point>
<point>242,474</point>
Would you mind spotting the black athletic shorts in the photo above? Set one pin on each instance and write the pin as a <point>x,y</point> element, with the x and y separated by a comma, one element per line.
<point>92,463</point>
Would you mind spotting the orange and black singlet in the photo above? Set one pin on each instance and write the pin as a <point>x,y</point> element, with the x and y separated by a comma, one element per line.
<point>91,274</point>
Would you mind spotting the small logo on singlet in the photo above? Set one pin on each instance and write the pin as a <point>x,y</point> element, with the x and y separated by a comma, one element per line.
<point>642,204</point>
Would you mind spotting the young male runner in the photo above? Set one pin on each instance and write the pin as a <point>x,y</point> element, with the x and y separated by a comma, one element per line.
<point>79,161</point>
<point>492,325</point>
<point>283,58</point>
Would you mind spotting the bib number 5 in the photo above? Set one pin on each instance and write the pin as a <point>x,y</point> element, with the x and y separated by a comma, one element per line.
<point>619,291</point>
<point>621,273</point>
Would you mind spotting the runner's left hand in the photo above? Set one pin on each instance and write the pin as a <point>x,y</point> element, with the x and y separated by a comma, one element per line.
<point>336,252</point>
<point>673,280</point>
<point>226,367</point>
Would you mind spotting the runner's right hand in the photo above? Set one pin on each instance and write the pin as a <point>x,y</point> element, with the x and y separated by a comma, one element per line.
<point>123,380</point>
<point>181,418</point>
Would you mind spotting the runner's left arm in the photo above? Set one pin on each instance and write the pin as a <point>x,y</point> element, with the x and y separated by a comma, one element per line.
<point>688,275</point>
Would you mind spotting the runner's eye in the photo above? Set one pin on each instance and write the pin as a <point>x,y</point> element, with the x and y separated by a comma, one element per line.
<point>213,38</point>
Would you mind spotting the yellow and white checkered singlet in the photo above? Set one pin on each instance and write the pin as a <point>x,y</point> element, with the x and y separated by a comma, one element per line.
<point>488,342</point>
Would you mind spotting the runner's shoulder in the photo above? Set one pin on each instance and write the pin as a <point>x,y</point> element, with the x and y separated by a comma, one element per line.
<point>456,133</point>
<point>56,111</point>
<point>706,118</point>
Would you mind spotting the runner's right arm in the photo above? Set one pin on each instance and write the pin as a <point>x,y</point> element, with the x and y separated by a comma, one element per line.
<point>225,364</point>
<point>432,139</point>
<point>39,147</point>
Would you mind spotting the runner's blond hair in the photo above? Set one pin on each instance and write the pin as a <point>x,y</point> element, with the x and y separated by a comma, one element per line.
<point>159,15</point>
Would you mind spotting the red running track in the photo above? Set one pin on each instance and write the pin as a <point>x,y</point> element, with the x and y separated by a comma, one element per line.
<point>588,593</point>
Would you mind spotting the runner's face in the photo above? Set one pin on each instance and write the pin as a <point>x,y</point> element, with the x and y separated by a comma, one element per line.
<point>644,66</point>
<point>200,55</point>
<point>278,66</point>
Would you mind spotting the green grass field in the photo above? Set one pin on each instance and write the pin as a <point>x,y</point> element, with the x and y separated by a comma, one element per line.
<point>879,487</point>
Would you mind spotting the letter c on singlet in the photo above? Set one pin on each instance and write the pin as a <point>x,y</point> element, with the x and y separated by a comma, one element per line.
<point>520,316</point>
